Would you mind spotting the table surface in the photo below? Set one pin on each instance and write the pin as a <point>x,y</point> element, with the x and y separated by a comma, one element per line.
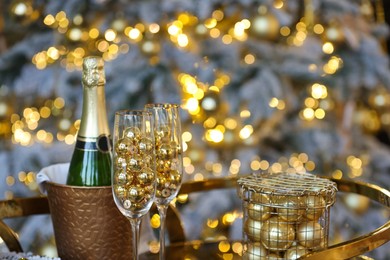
<point>198,250</point>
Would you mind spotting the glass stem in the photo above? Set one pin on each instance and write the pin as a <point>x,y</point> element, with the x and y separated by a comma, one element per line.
<point>162,210</point>
<point>135,223</point>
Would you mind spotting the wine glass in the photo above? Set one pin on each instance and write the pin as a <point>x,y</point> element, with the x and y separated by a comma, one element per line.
<point>134,166</point>
<point>169,163</point>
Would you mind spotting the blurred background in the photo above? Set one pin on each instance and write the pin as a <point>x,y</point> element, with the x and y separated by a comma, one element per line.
<point>264,86</point>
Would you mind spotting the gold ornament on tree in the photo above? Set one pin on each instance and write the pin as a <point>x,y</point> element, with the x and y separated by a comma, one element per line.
<point>265,25</point>
<point>23,11</point>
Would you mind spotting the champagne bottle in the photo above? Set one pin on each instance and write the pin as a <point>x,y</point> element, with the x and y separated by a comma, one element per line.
<point>91,161</point>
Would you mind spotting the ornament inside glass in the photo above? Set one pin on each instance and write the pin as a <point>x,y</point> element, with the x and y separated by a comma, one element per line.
<point>285,214</point>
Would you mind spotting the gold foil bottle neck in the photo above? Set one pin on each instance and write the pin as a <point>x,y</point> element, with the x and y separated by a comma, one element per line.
<point>93,71</point>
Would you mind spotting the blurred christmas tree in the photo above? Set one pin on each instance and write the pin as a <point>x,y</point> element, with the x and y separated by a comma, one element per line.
<point>264,86</point>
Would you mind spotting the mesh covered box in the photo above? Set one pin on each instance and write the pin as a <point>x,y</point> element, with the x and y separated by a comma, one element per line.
<point>286,215</point>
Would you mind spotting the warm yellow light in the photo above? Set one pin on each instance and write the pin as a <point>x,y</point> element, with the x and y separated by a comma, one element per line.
<point>209,122</point>
<point>285,31</point>
<point>49,20</point>
<point>273,102</point>
<point>110,35</point>
<point>134,34</point>
<point>192,106</point>
<point>264,165</point>
<point>182,40</point>
<point>337,174</point>
<point>246,132</point>
<point>318,28</point>
<point>214,135</point>
<point>59,103</point>
<point>69,139</point>
<point>224,246</point>
<point>210,23</point>
<point>186,136</point>
<point>245,113</point>
<point>319,113</point>
<point>215,33</point>
<point>328,48</point>
<point>230,123</point>
<point>308,113</point>
<point>249,59</point>
<point>255,165</point>
<point>175,28</point>
<point>319,91</point>
<point>212,223</point>
<point>53,53</point>
<point>154,28</point>
<point>102,46</point>
<point>227,39</point>
<point>218,15</point>
<point>93,33</point>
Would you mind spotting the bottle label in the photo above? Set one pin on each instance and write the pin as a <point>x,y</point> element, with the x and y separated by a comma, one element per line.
<point>102,143</point>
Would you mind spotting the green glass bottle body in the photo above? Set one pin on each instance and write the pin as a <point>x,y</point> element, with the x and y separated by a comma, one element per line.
<point>92,157</point>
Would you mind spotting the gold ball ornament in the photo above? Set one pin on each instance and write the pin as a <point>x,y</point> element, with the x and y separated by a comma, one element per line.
<point>252,229</point>
<point>277,235</point>
<point>211,102</point>
<point>356,202</point>
<point>135,194</point>
<point>146,176</point>
<point>334,34</point>
<point>145,145</point>
<point>259,212</point>
<point>22,11</point>
<point>260,198</point>
<point>265,25</point>
<point>124,146</point>
<point>315,206</point>
<point>290,208</point>
<point>120,191</point>
<point>310,234</point>
<point>133,133</point>
<point>134,164</point>
<point>122,178</point>
<point>295,252</point>
<point>150,47</point>
<point>255,251</point>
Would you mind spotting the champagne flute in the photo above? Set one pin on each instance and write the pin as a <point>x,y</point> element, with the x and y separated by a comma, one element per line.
<point>134,167</point>
<point>169,163</point>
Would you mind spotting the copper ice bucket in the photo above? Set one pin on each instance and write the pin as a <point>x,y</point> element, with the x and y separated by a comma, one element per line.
<point>87,224</point>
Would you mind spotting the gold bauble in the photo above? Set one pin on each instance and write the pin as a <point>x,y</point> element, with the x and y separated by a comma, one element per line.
<point>315,206</point>
<point>211,102</point>
<point>146,176</point>
<point>135,194</point>
<point>311,234</point>
<point>265,25</point>
<point>295,252</point>
<point>290,209</point>
<point>252,228</point>
<point>356,202</point>
<point>120,192</point>
<point>334,34</point>
<point>134,164</point>
<point>22,11</point>
<point>276,234</point>
<point>255,251</point>
<point>259,212</point>
<point>260,198</point>
<point>122,178</point>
